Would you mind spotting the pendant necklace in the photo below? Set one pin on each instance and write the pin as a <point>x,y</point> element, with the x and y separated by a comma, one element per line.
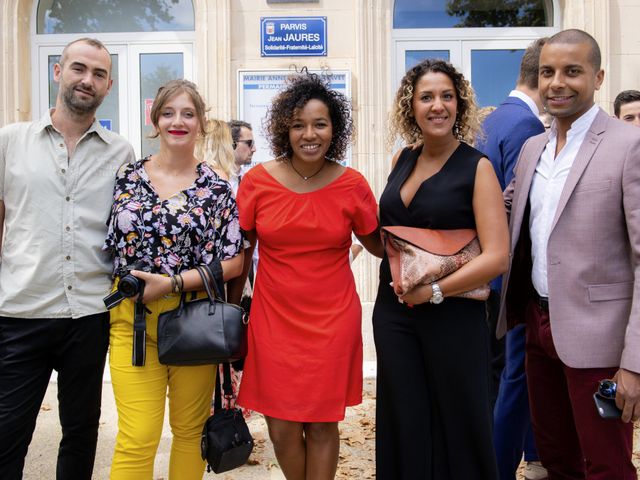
<point>306,177</point>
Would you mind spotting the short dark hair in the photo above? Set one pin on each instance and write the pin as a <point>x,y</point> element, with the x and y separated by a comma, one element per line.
<point>299,90</point>
<point>236,126</point>
<point>572,36</point>
<point>624,97</point>
<point>530,64</point>
<point>94,42</point>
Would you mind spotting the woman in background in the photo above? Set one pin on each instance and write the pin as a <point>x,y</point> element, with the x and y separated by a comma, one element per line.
<point>433,419</point>
<point>216,148</point>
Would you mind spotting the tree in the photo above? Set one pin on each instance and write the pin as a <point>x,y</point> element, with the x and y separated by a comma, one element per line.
<point>82,16</point>
<point>498,13</point>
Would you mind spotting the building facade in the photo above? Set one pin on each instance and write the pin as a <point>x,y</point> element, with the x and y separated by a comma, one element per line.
<point>220,43</point>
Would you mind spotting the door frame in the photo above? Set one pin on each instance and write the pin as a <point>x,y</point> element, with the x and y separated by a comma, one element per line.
<point>404,39</point>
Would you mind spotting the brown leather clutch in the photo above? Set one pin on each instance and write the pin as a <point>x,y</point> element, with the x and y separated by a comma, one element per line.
<point>419,256</point>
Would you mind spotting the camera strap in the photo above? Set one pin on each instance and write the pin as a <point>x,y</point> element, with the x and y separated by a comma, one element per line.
<point>139,331</point>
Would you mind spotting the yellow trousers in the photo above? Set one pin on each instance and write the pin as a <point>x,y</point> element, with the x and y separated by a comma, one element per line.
<point>140,400</point>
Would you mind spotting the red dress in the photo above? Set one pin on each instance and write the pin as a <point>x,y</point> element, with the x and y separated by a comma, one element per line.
<point>305,343</point>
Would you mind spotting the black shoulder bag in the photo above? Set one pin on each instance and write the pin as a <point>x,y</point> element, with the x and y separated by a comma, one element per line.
<point>226,442</point>
<point>203,331</point>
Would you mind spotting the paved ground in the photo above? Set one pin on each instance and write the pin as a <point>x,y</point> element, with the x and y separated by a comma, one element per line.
<point>356,455</point>
<point>356,459</point>
<point>357,434</point>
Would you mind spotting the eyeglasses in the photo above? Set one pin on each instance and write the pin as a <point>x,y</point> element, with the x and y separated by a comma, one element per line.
<point>248,142</point>
<point>607,388</point>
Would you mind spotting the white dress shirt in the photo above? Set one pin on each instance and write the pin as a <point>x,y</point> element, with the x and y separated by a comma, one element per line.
<point>56,210</point>
<point>546,188</point>
<point>526,99</point>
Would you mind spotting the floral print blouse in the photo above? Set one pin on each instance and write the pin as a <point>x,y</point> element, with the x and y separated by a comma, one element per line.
<point>190,228</point>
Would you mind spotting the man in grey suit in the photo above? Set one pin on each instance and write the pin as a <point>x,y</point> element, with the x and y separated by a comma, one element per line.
<point>574,278</point>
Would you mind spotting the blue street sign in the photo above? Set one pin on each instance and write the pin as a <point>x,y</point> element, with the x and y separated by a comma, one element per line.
<point>293,36</point>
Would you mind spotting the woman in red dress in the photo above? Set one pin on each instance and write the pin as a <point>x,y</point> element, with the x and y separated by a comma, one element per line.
<point>304,365</point>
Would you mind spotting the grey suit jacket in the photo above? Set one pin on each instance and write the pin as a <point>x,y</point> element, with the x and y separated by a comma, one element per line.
<point>593,254</point>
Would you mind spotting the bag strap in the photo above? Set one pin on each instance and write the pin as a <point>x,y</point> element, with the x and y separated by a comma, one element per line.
<point>215,274</point>
<point>208,275</point>
<point>205,282</point>
<point>226,386</point>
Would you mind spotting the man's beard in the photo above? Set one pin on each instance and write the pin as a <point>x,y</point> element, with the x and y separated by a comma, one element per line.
<point>80,106</point>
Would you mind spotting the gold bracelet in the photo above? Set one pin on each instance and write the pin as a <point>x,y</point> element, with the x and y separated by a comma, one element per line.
<point>180,282</point>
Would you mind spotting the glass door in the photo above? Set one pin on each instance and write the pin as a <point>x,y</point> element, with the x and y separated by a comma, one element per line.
<point>151,66</point>
<point>410,53</point>
<point>492,66</point>
<point>138,71</point>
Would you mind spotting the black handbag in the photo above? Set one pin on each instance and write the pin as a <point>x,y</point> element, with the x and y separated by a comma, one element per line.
<point>226,442</point>
<point>202,331</point>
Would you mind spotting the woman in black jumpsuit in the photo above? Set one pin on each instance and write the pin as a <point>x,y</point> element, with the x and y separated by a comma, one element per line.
<point>433,415</point>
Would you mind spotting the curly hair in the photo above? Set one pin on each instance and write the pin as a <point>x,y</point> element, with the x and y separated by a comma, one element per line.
<point>300,89</point>
<point>402,119</point>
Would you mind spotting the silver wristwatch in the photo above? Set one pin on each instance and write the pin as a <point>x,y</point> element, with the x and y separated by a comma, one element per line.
<point>436,297</point>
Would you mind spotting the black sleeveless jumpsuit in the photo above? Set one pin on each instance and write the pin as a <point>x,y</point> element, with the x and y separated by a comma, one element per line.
<point>433,419</point>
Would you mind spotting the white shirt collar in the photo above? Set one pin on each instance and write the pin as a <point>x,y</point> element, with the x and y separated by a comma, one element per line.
<point>526,99</point>
<point>579,126</point>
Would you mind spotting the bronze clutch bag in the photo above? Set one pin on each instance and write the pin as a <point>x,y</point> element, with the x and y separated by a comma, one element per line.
<point>419,256</point>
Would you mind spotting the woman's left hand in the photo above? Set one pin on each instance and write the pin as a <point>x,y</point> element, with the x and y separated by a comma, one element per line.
<point>417,295</point>
<point>156,285</point>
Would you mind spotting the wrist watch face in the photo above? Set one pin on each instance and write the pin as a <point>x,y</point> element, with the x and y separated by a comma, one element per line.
<point>437,298</point>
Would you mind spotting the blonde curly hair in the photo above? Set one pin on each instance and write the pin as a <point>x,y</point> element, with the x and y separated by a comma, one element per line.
<point>216,147</point>
<point>402,121</point>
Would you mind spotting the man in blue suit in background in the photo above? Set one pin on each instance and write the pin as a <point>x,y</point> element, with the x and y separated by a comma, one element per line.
<point>504,132</point>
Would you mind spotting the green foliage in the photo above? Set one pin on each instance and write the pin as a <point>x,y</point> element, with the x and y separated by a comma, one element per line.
<point>498,13</point>
<point>82,16</point>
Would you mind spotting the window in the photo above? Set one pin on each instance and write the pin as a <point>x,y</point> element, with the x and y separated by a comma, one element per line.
<point>150,41</point>
<point>484,39</point>
<point>471,13</point>
<point>81,16</point>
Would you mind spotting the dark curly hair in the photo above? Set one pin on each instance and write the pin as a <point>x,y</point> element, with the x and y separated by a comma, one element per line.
<point>301,88</point>
<point>403,122</point>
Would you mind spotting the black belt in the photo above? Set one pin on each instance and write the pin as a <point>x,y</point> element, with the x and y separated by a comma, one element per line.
<point>541,302</point>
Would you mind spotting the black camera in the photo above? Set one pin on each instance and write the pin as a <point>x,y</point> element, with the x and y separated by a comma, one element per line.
<point>128,286</point>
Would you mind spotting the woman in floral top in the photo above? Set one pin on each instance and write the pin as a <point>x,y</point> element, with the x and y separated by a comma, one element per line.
<point>170,214</point>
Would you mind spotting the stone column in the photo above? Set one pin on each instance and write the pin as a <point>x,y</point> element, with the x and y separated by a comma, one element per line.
<point>212,58</point>
<point>594,17</point>
<point>15,61</point>
<point>371,103</point>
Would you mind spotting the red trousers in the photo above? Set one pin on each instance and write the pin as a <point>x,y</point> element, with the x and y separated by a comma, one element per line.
<point>573,441</point>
